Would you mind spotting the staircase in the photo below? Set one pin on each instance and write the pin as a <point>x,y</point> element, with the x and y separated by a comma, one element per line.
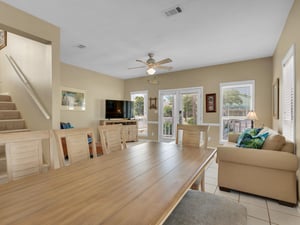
<point>10,121</point>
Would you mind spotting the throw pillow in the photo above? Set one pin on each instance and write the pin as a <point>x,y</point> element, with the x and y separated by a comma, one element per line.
<point>274,142</point>
<point>250,131</point>
<point>256,141</point>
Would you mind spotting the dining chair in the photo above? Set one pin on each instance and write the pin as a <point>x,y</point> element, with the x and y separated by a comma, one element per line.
<point>112,138</point>
<point>73,145</point>
<point>24,152</point>
<point>197,136</point>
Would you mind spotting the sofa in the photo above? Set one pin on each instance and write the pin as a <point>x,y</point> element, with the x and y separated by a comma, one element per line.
<point>269,172</point>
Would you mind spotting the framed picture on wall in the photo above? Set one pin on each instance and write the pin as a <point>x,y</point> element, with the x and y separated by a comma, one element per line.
<point>275,96</point>
<point>211,103</point>
<point>3,38</point>
<point>73,99</point>
<point>153,103</point>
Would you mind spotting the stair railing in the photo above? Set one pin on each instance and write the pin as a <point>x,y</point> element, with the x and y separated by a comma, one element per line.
<point>28,86</point>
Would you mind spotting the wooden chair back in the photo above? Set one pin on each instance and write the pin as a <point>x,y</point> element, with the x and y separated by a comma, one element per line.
<point>112,138</point>
<point>73,144</point>
<point>24,152</point>
<point>191,135</point>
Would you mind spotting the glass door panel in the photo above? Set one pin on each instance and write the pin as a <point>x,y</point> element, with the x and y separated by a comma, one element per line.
<point>168,101</point>
<point>189,108</point>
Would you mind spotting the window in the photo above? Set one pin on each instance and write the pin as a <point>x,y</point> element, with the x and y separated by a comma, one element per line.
<point>140,99</point>
<point>236,100</point>
<point>288,95</point>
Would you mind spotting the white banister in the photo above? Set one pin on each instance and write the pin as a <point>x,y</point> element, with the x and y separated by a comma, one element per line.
<point>28,86</point>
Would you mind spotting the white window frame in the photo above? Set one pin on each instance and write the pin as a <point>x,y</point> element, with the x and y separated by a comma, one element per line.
<point>252,103</point>
<point>289,131</point>
<point>145,94</point>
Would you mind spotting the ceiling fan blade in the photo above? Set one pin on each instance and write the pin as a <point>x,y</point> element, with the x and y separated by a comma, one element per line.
<point>164,67</point>
<point>136,67</point>
<point>167,60</point>
<point>141,61</point>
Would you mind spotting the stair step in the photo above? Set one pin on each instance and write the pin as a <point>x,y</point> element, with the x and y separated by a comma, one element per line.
<point>5,98</point>
<point>9,114</point>
<point>7,106</point>
<point>12,124</point>
<point>11,131</point>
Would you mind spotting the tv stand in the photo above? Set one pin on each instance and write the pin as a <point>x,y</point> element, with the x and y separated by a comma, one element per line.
<point>129,127</point>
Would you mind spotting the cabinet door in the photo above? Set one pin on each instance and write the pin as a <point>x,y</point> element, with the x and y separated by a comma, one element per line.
<point>126,133</point>
<point>132,132</point>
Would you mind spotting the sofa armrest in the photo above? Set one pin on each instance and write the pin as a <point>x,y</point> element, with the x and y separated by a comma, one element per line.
<point>233,137</point>
<point>258,157</point>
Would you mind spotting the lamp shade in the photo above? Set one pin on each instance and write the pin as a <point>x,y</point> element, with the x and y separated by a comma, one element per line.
<point>252,115</point>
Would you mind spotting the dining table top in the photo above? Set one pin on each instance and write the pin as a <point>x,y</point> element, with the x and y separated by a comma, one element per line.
<point>139,185</point>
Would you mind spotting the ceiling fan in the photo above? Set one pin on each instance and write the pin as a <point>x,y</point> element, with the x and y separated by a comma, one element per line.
<point>151,64</point>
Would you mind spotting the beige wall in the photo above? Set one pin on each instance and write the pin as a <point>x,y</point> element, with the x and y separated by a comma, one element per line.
<point>289,36</point>
<point>23,24</point>
<point>98,87</point>
<point>210,78</point>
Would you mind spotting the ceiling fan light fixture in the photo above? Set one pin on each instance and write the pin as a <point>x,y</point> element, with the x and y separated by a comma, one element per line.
<point>151,71</point>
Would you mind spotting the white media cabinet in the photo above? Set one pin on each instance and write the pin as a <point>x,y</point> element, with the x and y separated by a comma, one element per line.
<point>129,127</point>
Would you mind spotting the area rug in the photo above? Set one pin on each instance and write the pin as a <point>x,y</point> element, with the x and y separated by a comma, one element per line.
<point>207,209</point>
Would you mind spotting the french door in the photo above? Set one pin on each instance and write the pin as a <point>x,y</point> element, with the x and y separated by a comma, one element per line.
<point>178,106</point>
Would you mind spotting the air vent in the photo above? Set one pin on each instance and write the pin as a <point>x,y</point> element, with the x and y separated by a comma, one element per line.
<point>81,46</point>
<point>173,11</point>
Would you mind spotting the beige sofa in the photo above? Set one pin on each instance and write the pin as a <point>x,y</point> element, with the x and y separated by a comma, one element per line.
<point>268,172</point>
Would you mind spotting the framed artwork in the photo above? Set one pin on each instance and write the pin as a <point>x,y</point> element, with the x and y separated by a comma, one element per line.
<point>153,103</point>
<point>3,38</point>
<point>211,103</point>
<point>72,99</point>
<point>275,96</point>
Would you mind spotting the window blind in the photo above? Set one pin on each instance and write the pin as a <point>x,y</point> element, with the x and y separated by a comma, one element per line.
<point>288,98</point>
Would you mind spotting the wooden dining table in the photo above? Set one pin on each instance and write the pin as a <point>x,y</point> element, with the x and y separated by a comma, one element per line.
<point>139,185</point>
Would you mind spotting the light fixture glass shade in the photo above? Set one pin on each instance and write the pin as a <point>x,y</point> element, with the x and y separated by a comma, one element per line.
<point>252,115</point>
<point>151,71</point>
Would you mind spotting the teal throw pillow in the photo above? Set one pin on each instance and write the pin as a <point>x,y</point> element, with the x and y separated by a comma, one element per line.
<point>256,141</point>
<point>248,131</point>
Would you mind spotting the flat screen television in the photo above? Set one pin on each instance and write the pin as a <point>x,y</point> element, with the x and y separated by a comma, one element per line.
<point>118,109</point>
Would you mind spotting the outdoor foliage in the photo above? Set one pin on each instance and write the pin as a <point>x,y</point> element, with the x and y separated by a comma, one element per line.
<point>232,96</point>
<point>168,111</point>
<point>139,106</point>
<point>189,109</point>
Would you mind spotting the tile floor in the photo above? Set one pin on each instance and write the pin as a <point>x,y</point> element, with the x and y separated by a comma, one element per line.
<point>261,211</point>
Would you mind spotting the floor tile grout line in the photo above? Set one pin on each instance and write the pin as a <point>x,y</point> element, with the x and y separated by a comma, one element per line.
<point>257,218</point>
<point>268,212</point>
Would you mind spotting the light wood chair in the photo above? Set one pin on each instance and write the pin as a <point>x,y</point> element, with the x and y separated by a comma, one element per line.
<point>24,152</point>
<point>73,145</point>
<point>112,138</point>
<point>193,135</point>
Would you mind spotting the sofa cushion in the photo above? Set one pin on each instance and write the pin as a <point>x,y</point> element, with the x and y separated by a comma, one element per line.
<point>274,142</point>
<point>256,141</point>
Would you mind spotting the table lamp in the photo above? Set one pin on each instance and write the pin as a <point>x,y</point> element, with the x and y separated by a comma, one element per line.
<point>252,116</point>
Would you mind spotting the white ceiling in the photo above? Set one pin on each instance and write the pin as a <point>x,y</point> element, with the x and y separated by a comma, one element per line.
<point>117,32</point>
